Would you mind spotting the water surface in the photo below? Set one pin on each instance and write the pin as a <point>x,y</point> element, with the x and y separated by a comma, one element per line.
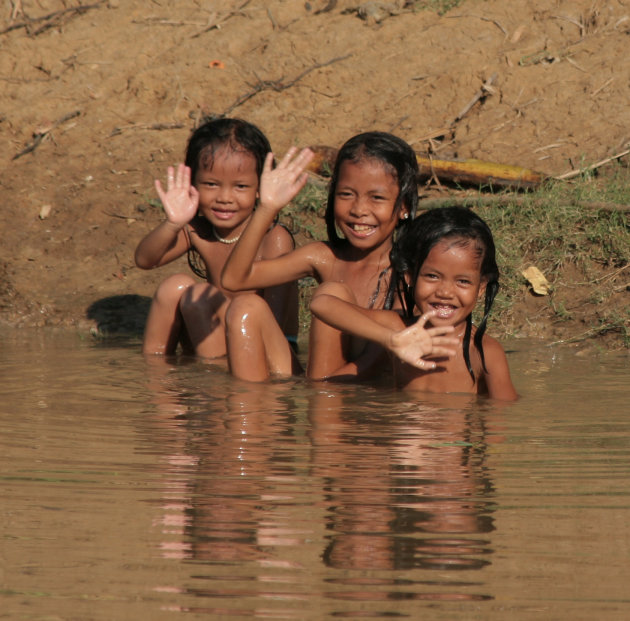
<point>135,490</point>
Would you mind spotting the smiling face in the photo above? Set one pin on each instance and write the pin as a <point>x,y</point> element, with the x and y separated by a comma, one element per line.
<point>450,281</point>
<point>228,189</point>
<point>365,203</point>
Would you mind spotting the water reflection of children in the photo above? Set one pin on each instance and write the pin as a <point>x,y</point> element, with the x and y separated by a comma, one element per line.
<point>404,490</point>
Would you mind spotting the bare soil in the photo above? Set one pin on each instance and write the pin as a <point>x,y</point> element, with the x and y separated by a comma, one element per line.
<point>98,98</point>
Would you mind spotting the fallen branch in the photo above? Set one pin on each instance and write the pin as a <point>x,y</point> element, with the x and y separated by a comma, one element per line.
<point>577,173</point>
<point>152,126</point>
<point>486,88</point>
<point>119,216</point>
<point>485,19</point>
<point>160,21</point>
<point>470,172</point>
<point>479,173</point>
<point>40,135</point>
<point>50,20</point>
<point>608,276</point>
<point>212,25</point>
<point>278,85</point>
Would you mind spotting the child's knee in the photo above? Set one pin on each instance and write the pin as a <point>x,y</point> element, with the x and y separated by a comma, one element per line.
<point>171,289</point>
<point>248,308</point>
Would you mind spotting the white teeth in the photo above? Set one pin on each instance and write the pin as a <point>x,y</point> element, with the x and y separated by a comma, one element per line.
<point>443,310</point>
<point>362,228</point>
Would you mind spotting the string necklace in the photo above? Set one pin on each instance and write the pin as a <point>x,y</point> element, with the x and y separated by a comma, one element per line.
<point>222,239</point>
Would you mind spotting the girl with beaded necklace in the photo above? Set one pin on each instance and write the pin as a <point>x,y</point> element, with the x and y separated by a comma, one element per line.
<point>208,202</point>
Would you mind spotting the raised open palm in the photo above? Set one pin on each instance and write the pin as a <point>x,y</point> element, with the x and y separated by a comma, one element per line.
<point>413,344</point>
<point>181,199</point>
<point>279,185</point>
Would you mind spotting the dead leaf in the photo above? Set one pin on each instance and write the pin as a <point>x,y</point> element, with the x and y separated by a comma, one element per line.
<point>537,280</point>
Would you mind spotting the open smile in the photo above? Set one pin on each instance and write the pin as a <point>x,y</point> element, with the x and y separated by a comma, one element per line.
<point>360,229</point>
<point>444,311</point>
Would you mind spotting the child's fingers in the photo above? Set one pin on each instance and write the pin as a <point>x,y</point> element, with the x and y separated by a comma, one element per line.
<point>424,318</point>
<point>170,177</point>
<point>301,181</point>
<point>268,165</point>
<point>441,331</point>
<point>284,162</point>
<point>159,190</point>
<point>304,158</point>
<point>298,162</point>
<point>443,350</point>
<point>180,177</point>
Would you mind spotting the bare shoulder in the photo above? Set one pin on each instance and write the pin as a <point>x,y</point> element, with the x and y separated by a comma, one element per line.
<point>277,241</point>
<point>497,376</point>
<point>491,346</point>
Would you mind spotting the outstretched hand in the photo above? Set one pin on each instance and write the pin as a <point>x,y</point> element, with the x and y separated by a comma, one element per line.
<point>181,199</point>
<point>413,344</point>
<point>279,185</point>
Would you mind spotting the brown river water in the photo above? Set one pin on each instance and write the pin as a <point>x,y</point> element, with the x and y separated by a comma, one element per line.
<point>166,489</point>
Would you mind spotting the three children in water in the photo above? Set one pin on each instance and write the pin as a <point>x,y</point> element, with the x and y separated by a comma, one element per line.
<point>389,283</point>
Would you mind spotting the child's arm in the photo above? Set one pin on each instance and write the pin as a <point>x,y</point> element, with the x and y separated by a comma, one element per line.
<point>282,299</point>
<point>277,187</point>
<point>411,344</point>
<point>180,201</point>
<point>497,378</point>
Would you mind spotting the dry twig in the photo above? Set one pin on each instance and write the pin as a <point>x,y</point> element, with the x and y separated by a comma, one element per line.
<point>38,136</point>
<point>150,126</point>
<point>278,85</point>
<point>216,23</point>
<point>485,19</point>
<point>485,89</point>
<point>577,173</point>
<point>51,20</point>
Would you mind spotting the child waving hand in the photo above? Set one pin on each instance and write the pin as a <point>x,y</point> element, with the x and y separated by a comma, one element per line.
<point>444,263</point>
<point>208,202</point>
<point>373,193</point>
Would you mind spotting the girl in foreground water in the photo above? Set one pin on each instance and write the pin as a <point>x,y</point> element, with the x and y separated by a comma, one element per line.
<point>444,263</point>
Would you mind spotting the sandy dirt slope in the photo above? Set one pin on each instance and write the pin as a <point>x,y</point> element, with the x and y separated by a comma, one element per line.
<point>102,96</point>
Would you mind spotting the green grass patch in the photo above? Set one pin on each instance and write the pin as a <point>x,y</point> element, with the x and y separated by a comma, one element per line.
<point>570,230</point>
<point>438,6</point>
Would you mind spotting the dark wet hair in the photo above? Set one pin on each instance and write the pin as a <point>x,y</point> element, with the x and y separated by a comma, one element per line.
<point>398,158</point>
<point>410,251</point>
<point>236,134</point>
<point>203,144</point>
